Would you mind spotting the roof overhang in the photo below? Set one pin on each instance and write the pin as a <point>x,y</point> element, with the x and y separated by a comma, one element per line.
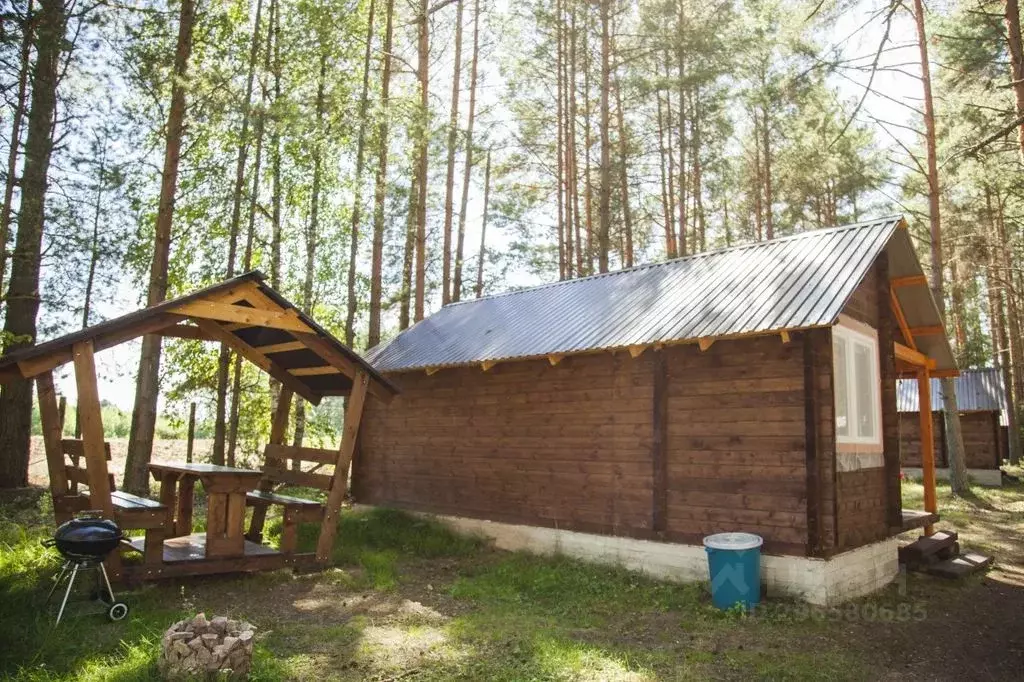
<point>924,331</point>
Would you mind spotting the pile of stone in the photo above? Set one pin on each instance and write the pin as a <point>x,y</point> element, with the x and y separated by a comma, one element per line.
<point>217,648</point>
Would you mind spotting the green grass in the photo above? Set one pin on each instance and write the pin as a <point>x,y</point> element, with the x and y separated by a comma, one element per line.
<point>407,598</point>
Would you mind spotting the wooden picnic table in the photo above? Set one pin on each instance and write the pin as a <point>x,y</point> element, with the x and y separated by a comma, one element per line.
<point>225,487</point>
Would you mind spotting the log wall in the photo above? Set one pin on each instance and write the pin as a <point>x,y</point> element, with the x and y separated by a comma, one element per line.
<point>983,440</point>
<point>525,442</point>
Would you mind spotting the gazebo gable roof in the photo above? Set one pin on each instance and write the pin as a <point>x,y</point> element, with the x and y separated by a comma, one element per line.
<point>246,314</point>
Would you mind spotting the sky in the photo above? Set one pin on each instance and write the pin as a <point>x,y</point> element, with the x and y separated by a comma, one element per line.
<point>895,89</point>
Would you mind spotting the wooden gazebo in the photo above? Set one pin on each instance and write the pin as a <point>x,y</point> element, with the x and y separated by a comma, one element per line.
<point>254,320</point>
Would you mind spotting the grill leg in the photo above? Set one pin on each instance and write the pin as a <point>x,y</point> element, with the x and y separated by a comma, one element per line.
<point>103,570</point>
<point>57,580</point>
<point>67,593</point>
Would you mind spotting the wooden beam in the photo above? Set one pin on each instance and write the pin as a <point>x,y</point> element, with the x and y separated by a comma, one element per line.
<point>924,397</point>
<point>250,317</point>
<point>185,331</point>
<point>353,415</point>
<point>901,320</point>
<point>555,358</point>
<point>636,351</point>
<point>704,344</point>
<point>487,364</point>
<point>281,347</point>
<point>91,420</point>
<point>49,417</point>
<point>314,371</point>
<point>813,510</point>
<point>44,363</point>
<point>278,431</point>
<point>432,370</point>
<point>933,330</point>
<point>913,357</point>
<point>349,368</point>
<point>909,281</point>
<point>784,335</point>
<point>258,359</point>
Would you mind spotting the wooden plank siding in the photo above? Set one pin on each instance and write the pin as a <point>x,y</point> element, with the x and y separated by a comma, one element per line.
<point>567,446</point>
<point>983,440</point>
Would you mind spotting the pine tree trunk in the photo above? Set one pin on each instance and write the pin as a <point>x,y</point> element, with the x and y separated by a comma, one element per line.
<point>17,115</point>
<point>1013,321</point>
<point>670,237</point>
<point>460,241</point>
<point>483,229</point>
<point>603,243</point>
<point>683,183</point>
<point>422,139</point>
<point>627,217</point>
<point>588,193</point>
<point>758,185</point>
<point>94,241</point>
<point>223,448</point>
<point>449,183</point>
<point>959,482</point>
<point>573,171</point>
<point>671,173</point>
<point>357,198</point>
<point>1011,14</point>
<point>700,238</point>
<point>410,250</point>
<point>140,442</point>
<point>380,184</point>
<point>23,294</point>
<point>559,144</point>
<point>275,143</point>
<point>997,320</point>
<point>766,148</point>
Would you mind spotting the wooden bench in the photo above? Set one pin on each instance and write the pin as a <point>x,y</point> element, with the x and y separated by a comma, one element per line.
<point>130,511</point>
<point>283,466</point>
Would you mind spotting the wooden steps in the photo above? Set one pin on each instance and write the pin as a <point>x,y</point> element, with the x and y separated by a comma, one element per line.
<point>959,566</point>
<point>939,554</point>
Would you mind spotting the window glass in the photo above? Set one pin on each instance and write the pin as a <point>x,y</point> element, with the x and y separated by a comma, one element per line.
<point>841,392</point>
<point>863,381</point>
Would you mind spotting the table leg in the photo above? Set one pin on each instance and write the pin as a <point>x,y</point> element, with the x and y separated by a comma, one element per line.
<point>168,497</point>
<point>186,495</point>
<point>235,526</point>
<point>216,523</point>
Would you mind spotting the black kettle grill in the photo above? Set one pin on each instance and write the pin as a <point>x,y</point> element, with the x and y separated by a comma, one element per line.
<point>84,542</point>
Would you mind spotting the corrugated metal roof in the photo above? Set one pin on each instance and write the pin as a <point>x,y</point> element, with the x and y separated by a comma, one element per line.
<point>794,282</point>
<point>977,390</point>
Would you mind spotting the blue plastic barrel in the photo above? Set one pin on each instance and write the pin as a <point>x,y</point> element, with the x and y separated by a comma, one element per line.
<point>734,561</point>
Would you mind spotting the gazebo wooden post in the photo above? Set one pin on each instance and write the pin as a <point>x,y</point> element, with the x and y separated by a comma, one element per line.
<point>278,430</point>
<point>353,415</point>
<point>50,420</point>
<point>924,392</point>
<point>92,437</point>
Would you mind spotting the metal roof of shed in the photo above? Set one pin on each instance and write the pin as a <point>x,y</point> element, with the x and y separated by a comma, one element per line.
<point>977,390</point>
<point>796,282</point>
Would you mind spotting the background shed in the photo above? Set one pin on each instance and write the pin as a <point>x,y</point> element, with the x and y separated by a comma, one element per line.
<point>980,396</point>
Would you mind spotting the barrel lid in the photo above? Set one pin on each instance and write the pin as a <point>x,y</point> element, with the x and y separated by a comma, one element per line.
<point>733,541</point>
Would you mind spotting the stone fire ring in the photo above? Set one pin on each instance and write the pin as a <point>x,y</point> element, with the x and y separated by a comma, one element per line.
<point>206,649</point>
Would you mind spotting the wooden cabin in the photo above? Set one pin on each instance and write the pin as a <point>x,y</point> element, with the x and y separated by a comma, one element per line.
<point>980,398</point>
<point>624,416</point>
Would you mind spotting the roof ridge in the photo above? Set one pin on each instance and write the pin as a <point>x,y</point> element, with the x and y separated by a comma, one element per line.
<point>695,256</point>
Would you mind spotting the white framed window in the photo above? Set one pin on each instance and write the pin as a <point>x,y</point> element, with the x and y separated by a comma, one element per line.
<point>857,386</point>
